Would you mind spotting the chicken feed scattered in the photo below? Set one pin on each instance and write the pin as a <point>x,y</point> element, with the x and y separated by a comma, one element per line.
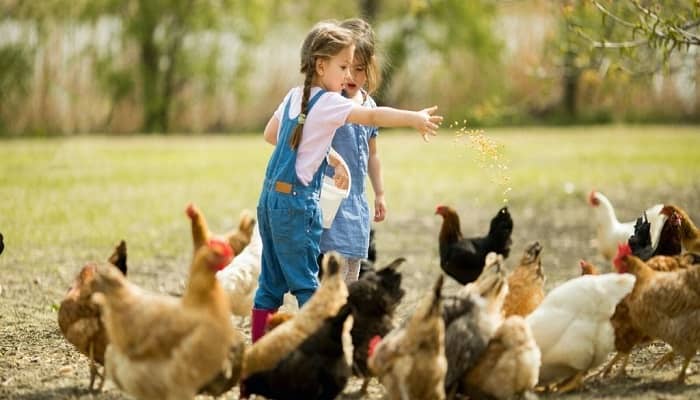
<point>491,155</point>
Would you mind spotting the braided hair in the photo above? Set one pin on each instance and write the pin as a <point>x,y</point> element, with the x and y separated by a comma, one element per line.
<point>365,50</point>
<point>325,40</point>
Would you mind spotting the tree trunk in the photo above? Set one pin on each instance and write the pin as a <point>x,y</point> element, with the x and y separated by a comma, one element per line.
<point>368,10</point>
<point>396,55</point>
<point>571,77</point>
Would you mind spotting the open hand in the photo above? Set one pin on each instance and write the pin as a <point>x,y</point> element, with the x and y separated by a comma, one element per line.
<point>428,123</point>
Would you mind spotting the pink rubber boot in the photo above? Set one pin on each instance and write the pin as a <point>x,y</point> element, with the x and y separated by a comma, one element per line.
<point>258,322</point>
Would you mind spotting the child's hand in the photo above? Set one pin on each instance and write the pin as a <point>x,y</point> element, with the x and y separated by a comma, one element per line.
<point>379,208</point>
<point>429,123</point>
<point>340,178</point>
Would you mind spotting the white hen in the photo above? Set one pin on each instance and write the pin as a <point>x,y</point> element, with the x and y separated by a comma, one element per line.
<point>572,326</point>
<point>240,278</point>
<point>610,232</point>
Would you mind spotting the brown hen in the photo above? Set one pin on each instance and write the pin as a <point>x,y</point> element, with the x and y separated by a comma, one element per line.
<point>163,347</point>
<point>664,304</point>
<point>526,283</point>
<point>690,235</point>
<point>79,317</point>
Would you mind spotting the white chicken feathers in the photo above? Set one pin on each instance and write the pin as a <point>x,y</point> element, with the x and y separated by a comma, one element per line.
<point>240,278</point>
<point>611,232</point>
<point>572,325</point>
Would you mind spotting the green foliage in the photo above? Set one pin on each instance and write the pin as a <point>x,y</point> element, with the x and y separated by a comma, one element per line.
<point>643,32</point>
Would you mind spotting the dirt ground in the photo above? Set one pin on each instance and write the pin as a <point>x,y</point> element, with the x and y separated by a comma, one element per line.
<point>37,363</point>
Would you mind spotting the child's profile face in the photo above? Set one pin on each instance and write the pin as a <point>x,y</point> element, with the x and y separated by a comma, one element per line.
<point>357,78</point>
<point>334,71</point>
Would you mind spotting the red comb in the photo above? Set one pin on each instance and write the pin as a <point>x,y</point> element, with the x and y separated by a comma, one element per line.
<point>223,250</point>
<point>372,344</point>
<point>591,198</point>
<point>623,250</point>
<point>191,210</point>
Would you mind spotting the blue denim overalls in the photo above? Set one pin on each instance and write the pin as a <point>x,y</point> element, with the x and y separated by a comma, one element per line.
<point>289,218</point>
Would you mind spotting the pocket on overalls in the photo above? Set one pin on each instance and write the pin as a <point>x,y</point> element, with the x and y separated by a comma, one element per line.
<point>288,229</point>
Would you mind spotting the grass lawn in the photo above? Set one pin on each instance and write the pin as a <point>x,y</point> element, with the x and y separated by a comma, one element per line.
<point>77,196</point>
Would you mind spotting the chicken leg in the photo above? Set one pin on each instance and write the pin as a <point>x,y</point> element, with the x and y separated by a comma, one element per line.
<point>665,359</point>
<point>686,361</point>
<point>609,366</point>
<point>94,371</point>
<point>572,383</point>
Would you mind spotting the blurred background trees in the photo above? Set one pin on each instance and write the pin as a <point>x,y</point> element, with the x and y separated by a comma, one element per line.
<point>127,66</point>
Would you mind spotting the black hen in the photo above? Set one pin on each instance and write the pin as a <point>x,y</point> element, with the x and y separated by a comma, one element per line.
<point>669,243</point>
<point>463,258</point>
<point>374,298</point>
<point>317,369</point>
<point>2,243</point>
<point>640,241</point>
<point>367,264</point>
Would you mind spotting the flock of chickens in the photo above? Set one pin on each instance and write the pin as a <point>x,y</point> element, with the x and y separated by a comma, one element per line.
<point>498,336</point>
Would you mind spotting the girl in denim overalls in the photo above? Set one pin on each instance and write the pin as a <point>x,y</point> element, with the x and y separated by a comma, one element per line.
<point>356,144</point>
<point>302,129</point>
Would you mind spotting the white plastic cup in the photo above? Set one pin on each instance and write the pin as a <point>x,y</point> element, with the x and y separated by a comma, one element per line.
<point>332,196</point>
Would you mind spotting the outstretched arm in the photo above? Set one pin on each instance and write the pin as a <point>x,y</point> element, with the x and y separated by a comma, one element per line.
<point>423,121</point>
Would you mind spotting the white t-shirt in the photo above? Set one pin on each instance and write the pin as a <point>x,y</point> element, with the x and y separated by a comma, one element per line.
<point>328,114</point>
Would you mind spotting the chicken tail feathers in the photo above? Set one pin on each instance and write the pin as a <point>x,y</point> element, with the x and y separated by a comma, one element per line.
<point>118,257</point>
<point>435,306</point>
<point>331,264</point>
<point>396,263</point>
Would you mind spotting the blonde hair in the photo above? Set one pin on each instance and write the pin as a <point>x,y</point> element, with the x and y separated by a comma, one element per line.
<point>325,40</point>
<point>365,50</point>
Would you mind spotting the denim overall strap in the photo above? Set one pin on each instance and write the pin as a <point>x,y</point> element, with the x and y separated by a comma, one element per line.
<point>283,160</point>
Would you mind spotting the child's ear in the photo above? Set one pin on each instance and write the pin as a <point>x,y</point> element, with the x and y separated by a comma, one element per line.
<point>320,66</point>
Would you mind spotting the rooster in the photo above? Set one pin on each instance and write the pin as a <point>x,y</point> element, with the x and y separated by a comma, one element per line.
<point>330,296</point>
<point>572,327</point>
<point>463,258</point>
<point>690,234</point>
<point>410,361</point>
<point>318,369</point>
<point>163,347</point>
<point>526,283</point>
<point>374,298</point>
<point>79,317</point>
<point>611,232</point>
<point>471,318</point>
<point>665,305</point>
